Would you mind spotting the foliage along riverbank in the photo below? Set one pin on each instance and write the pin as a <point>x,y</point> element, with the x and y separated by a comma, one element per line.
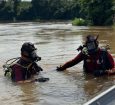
<point>94,12</point>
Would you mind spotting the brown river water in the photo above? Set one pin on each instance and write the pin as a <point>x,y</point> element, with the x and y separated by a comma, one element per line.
<point>56,44</point>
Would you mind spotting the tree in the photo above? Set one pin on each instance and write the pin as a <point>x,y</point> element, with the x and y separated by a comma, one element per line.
<point>9,9</point>
<point>39,8</point>
<point>74,9</point>
<point>16,4</point>
<point>5,11</point>
<point>26,12</point>
<point>98,11</point>
<point>2,5</point>
<point>55,9</point>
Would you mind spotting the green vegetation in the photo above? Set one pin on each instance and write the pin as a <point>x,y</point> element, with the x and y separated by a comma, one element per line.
<point>79,22</point>
<point>99,12</point>
<point>85,12</point>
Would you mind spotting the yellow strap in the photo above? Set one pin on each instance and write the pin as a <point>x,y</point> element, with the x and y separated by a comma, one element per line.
<point>27,67</point>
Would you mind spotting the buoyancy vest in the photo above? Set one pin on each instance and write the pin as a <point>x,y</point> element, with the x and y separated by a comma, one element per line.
<point>25,71</point>
<point>105,63</point>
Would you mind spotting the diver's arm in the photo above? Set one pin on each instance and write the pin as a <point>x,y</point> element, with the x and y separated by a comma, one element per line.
<point>32,79</point>
<point>72,62</point>
<point>25,81</point>
<point>42,79</point>
<point>111,60</point>
<point>110,72</point>
<point>112,69</point>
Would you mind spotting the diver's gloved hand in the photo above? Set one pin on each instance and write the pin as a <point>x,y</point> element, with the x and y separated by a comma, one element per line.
<point>59,68</point>
<point>99,73</point>
<point>39,68</point>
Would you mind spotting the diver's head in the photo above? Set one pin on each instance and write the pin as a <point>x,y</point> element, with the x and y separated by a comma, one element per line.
<point>28,51</point>
<point>91,44</point>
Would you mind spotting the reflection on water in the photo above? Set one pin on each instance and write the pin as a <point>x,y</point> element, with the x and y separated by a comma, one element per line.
<point>56,43</point>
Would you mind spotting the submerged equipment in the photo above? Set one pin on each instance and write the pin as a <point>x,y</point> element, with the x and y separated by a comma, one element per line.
<point>42,79</point>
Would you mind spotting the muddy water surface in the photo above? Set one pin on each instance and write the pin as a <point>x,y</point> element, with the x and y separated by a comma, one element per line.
<point>56,44</point>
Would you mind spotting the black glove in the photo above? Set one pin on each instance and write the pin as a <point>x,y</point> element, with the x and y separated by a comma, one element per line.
<point>59,68</point>
<point>38,68</point>
<point>99,73</point>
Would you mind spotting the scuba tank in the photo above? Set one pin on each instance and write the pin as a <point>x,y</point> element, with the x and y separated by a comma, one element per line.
<point>7,66</point>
